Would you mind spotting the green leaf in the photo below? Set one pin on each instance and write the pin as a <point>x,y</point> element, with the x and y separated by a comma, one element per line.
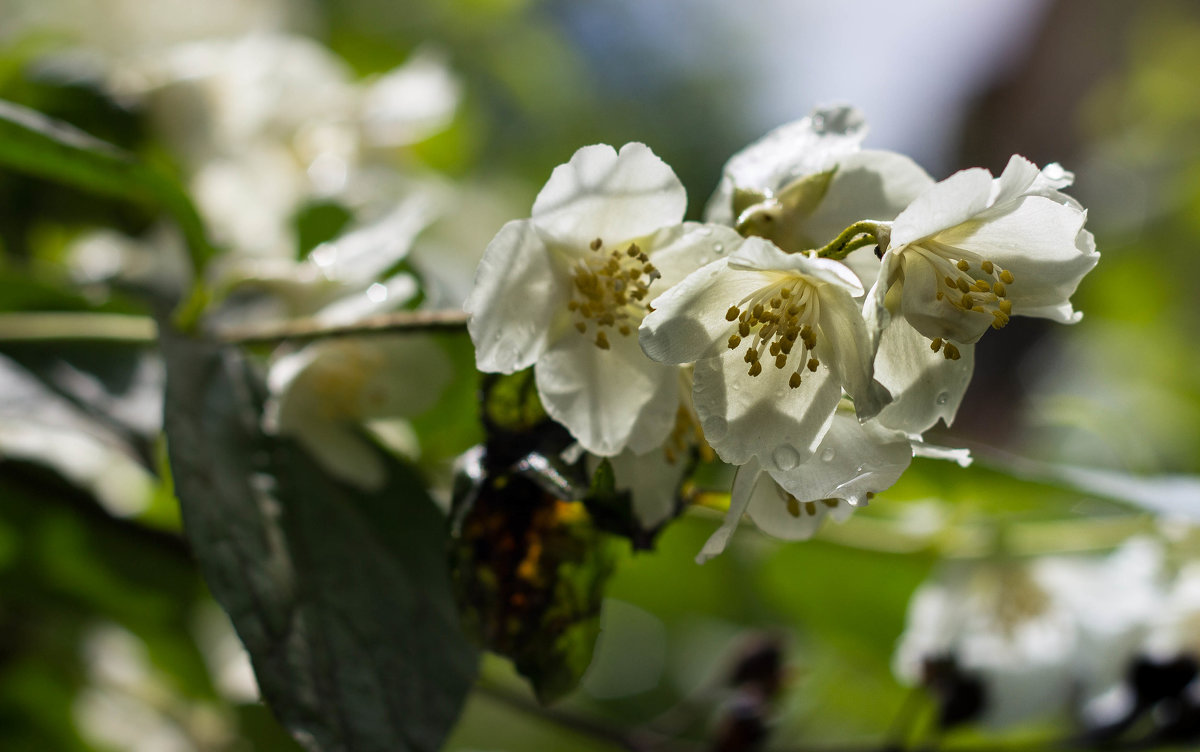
<point>33,143</point>
<point>341,597</point>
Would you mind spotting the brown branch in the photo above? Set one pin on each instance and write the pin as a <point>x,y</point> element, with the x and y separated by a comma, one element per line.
<point>310,329</point>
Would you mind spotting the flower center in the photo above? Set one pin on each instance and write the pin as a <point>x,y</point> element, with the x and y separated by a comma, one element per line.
<point>783,320</point>
<point>968,284</point>
<point>609,290</point>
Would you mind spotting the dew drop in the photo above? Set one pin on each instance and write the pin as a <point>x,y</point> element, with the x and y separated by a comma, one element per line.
<point>827,454</point>
<point>715,427</point>
<point>785,457</point>
<point>377,293</point>
<point>324,255</point>
<point>943,398</point>
<point>718,247</point>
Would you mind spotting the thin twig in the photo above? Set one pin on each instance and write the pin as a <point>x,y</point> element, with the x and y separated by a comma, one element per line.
<point>309,329</point>
<point>110,327</point>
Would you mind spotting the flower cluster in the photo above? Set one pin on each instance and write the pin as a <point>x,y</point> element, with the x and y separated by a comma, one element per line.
<point>1003,642</point>
<point>809,332</point>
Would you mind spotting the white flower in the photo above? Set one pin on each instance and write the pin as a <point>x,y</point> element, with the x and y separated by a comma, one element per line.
<point>1000,627</point>
<point>803,183</point>
<point>966,255</point>
<point>791,152</point>
<point>775,338</point>
<point>972,251</point>
<point>1176,629</point>
<point>323,394</point>
<point>566,290</point>
<point>1039,635</point>
<point>853,463</point>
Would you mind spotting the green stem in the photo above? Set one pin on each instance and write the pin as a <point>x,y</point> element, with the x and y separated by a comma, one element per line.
<point>862,233</point>
<point>58,326</point>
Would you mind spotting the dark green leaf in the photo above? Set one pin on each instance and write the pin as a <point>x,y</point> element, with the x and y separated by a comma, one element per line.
<point>33,143</point>
<point>341,597</point>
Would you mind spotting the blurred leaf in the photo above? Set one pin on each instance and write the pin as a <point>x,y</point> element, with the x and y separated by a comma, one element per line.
<point>340,596</point>
<point>33,143</point>
<point>530,571</point>
<point>319,222</point>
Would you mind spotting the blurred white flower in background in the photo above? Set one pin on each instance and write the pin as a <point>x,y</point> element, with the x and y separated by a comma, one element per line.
<point>1041,637</point>
<point>323,394</point>
<point>268,123</point>
<point>130,704</point>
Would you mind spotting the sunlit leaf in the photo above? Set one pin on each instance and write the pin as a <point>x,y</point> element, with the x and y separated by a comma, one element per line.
<point>33,143</point>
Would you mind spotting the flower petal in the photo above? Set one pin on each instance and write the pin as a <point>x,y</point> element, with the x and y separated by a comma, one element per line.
<point>679,250</point>
<point>951,202</point>
<point>925,385</point>
<point>928,315</point>
<point>517,297</point>
<point>688,323</point>
<point>868,184</point>
<point>804,147</point>
<point>601,395</point>
<point>1022,178</point>
<point>653,484</point>
<point>764,255</point>
<point>853,460</point>
<point>357,379</point>
<point>1042,243</point>
<point>603,194</point>
<point>845,347</point>
<point>748,477</point>
<point>761,416</point>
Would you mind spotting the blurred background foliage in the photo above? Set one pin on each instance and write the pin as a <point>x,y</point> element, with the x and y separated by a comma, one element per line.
<point>108,638</point>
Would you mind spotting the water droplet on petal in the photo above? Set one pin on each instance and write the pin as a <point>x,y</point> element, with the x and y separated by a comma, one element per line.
<point>377,293</point>
<point>827,454</point>
<point>719,247</point>
<point>943,398</point>
<point>325,255</point>
<point>715,427</point>
<point>785,457</point>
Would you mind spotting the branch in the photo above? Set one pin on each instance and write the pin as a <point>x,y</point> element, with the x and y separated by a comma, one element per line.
<point>310,329</point>
<point>110,327</point>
